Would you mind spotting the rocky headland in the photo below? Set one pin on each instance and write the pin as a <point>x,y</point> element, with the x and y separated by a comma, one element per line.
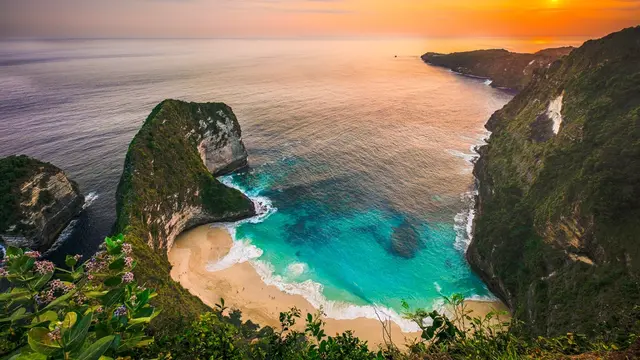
<point>556,232</point>
<point>168,186</point>
<point>38,202</point>
<point>505,69</point>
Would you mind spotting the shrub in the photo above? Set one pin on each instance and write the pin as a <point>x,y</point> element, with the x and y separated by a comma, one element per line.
<point>84,312</point>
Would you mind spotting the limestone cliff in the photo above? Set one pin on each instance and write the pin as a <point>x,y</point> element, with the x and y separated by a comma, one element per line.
<point>505,69</point>
<point>168,186</point>
<point>37,201</point>
<point>557,235</point>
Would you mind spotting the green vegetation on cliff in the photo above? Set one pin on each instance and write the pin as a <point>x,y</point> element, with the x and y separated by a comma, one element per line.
<point>505,69</point>
<point>166,188</point>
<point>557,234</point>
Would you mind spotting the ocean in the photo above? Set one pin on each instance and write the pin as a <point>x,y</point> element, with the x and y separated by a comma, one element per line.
<point>362,152</point>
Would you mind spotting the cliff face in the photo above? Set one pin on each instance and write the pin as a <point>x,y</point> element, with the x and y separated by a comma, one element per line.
<point>504,68</point>
<point>557,235</point>
<point>167,186</point>
<point>37,202</point>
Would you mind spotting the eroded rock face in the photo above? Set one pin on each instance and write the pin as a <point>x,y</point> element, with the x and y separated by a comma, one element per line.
<point>221,147</point>
<point>41,202</point>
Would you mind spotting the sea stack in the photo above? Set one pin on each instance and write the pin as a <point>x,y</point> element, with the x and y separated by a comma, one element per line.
<point>168,186</point>
<point>37,202</point>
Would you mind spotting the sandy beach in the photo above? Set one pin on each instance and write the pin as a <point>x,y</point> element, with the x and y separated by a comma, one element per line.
<point>242,288</point>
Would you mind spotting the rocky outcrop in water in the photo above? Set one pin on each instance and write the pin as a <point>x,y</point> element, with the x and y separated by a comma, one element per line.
<point>557,228</point>
<point>168,186</point>
<point>505,69</point>
<point>37,201</point>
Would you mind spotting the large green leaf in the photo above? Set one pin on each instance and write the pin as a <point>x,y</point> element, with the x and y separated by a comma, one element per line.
<point>117,264</point>
<point>70,261</point>
<point>40,341</point>
<point>113,297</point>
<point>113,281</point>
<point>78,334</point>
<point>95,351</point>
<point>13,294</point>
<point>41,281</point>
<point>69,320</point>
<point>45,317</point>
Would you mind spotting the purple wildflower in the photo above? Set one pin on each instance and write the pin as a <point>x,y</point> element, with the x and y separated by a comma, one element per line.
<point>126,248</point>
<point>128,261</point>
<point>120,311</point>
<point>127,277</point>
<point>44,267</point>
<point>56,284</point>
<point>3,272</point>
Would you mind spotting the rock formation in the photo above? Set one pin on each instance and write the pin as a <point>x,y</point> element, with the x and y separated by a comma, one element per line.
<point>168,186</point>
<point>37,202</point>
<point>558,223</point>
<point>505,69</point>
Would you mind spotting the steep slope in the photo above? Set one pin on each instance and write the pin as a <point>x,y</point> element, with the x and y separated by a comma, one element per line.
<point>37,201</point>
<point>505,69</point>
<point>167,186</point>
<point>557,234</point>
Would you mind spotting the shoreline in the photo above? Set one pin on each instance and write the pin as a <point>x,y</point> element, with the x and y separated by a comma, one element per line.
<point>242,288</point>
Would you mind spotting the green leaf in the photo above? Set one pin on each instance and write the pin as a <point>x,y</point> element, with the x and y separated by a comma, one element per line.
<point>14,251</point>
<point>69,320</point>
<point>14,293</point>
<point>17,315</point>
<point>78,333</point>
<point>117,264</point>
<point>95,351</point>
<point>40,342</point>
<point>112,297</point>
<point>47,316</point>
<point>113,281</point>
<point>70,261</point>
<point>41,281</point>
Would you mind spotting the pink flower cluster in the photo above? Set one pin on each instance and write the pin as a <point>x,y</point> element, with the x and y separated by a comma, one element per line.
<point>128,261</point>
<point>126,248</point>
<point>32,254</point>
<point>3,272</point>
<point>55,335</point>
<point>127,277</point>
<point>44,267</point>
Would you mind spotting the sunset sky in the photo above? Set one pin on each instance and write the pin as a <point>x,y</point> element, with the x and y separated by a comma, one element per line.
<point>300,18</point>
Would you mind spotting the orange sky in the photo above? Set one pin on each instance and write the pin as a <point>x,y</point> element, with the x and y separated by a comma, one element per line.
<point>277,18</point>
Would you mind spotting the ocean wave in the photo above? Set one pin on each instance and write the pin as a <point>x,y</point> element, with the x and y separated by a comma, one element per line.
<point>89,199</point>
<point>313,292</point>
<point>241,251</point>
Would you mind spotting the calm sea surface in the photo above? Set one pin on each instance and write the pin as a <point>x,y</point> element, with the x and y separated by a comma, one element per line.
<point>364,157</point>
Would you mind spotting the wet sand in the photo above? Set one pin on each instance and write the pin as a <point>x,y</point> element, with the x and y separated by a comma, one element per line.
<point>243,289</point>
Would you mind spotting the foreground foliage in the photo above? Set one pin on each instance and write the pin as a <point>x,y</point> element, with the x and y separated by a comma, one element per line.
<point>88,311</point>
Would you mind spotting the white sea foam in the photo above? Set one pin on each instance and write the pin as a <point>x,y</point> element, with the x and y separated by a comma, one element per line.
<point>296,269</point>
<point>89,199</point>
<point>312,292</point>
<point>241,251</point>
<point>488,82</point>
<point>437,286</point>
